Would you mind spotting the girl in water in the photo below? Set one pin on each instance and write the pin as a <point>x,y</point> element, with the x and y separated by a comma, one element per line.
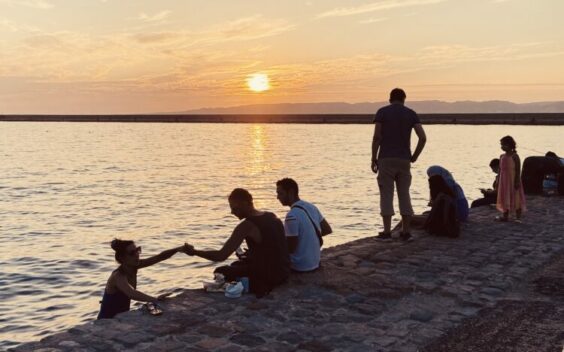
<point>510,194</point>
<point>121,287</point>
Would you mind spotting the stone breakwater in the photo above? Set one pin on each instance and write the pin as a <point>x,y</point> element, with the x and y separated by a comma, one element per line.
<point>556,119</point>
<point>369,296</point>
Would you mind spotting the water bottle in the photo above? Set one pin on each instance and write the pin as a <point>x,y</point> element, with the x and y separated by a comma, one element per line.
<point>549,185</point>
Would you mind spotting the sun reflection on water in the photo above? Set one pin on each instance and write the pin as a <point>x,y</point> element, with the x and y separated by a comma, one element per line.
<point>258,156</point>
<point>258,162</point>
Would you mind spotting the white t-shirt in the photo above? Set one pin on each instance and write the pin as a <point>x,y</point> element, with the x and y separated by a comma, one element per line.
<point>307,254</point>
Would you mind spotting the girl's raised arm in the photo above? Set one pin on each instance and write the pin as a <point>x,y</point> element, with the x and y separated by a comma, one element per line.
<point>143,263</point>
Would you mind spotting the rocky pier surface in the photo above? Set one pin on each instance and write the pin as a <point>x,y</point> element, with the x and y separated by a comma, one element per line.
<point>499,287</point>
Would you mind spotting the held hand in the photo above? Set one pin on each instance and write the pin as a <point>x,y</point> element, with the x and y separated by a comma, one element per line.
<point>374,166</point>
<point>188,249</point>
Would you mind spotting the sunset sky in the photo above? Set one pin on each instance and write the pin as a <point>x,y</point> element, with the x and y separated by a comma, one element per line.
<point>139,56</point>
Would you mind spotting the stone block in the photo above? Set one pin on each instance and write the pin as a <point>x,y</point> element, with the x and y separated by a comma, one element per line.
<point>247,339</point>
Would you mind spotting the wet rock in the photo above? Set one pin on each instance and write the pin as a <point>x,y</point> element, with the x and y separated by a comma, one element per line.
<point>70,344</point>
<point>133,338</point>
<point>355,298</point>
<point>211,343</point>
<point>214,330</point>
<point>422,316</point>
<point>290,337</point>
<point>246,339</point>
<point>492,291</point>
<point>315,346</point>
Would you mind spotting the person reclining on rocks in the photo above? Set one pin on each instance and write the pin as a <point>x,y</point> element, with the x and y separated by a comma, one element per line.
<point>121,287</point>
<point>304,226</point>
<point>490,195</point>
<point>266,263</point>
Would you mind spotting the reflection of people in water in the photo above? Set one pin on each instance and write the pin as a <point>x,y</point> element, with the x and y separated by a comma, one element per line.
<point>266,263</point>
<point>490,195</point>
<point>121,287</point>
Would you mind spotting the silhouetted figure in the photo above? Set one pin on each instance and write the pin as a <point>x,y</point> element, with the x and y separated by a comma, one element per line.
<point>392,158</point>
<point>490,194</point>
<point>304,225</point>
<point>443,189</point>
<point>121,287</point>
<point>266,263</point>
<point>461,201</point>
<point>510,194</point>
<point>536,169</point>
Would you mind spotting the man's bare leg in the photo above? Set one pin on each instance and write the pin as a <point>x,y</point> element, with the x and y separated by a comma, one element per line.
<point>405,223</point>
<point>387,223</point>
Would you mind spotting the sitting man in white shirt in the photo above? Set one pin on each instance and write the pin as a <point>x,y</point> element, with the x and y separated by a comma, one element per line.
<point>304,226</point>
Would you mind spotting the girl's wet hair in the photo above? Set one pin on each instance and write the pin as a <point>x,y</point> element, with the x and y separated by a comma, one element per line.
<point>120,247</point>
<point>509,141</point>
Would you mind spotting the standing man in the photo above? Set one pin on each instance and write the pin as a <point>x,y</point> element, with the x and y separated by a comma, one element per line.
<point>392,158</point>
<point>304,226</point>
<point>267,264</point>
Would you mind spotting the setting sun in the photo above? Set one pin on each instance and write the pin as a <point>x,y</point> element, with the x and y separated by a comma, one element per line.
<point>258,82</point>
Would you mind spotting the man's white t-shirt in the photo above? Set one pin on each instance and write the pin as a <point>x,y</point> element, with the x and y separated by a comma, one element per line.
<point>307,254</point>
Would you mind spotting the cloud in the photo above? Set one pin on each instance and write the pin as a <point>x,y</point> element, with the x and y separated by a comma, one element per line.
<point>16,27</point>
<point>376,6</point>
<point>243,29</point>
<point>373,20</point>
<point>38,4</point>
<point>156,37</point>
<point>449,54</point>
<point>158,17</point>
<point>253,27</point>
<point>66,56</point>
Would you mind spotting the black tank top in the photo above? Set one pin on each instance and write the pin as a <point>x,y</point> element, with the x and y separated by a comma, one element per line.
<point>114,303</point>
<point>269,262</point>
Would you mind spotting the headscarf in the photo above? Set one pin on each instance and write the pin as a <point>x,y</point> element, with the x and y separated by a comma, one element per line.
<point>462,203</point>
<point>447,176</point>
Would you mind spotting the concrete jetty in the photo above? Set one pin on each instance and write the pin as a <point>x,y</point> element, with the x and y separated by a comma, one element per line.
<point>499,287</point>
<point>428,119</point>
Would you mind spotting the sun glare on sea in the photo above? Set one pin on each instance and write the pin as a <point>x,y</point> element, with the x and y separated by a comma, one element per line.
<point>258,82</point>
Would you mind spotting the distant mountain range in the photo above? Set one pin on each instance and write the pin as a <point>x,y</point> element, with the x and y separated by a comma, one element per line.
<point>427,106</point>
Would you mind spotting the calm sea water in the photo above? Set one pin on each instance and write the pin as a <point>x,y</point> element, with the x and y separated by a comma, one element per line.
<point>67,189</point>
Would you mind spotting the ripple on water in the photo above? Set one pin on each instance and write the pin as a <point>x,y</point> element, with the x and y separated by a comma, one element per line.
<point>56,307</point>
<point>83,263</point>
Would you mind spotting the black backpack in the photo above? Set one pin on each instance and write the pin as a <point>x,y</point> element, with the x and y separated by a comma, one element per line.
<point>442,220</point>
<point>535,168</point>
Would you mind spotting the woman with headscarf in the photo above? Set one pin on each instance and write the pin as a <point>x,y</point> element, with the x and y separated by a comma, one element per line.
<point>461,202</point>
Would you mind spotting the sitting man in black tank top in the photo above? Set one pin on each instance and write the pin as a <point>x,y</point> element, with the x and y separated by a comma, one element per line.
<point>267,263</point>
